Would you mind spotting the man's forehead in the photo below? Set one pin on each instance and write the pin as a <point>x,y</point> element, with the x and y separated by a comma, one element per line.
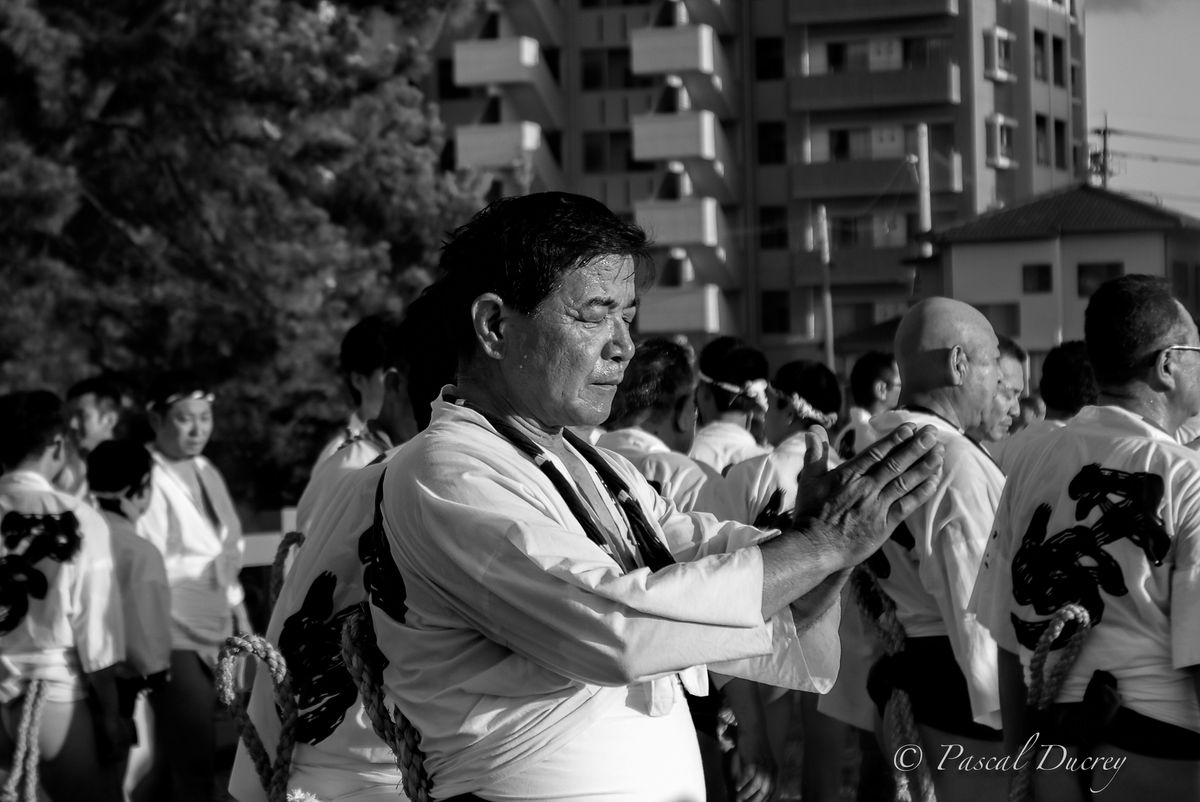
<point>608,276</point>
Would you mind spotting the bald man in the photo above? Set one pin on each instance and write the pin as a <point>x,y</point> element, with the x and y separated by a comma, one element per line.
<point>948,356</point>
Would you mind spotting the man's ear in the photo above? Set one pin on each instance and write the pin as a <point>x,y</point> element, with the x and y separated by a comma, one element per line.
<point>1166,368</point>
<point>956,364</point>
<point>881,390</point>
<point>488,314</point>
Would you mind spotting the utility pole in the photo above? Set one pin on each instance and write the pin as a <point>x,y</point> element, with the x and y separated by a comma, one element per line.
<point>826,283</point>
<point>1104,154</point>
<point>924,191</point>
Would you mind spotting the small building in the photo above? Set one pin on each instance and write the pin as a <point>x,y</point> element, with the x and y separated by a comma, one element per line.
<point>1031,267</point>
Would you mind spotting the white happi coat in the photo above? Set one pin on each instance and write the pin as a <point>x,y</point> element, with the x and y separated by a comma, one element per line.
<point>75,626</point>
<point>721,444</point>
<point>202,560</point>
<point>337,752</point>
<point>146,597</point>
<point>355,453</point>
<point>517,640</point>
<point>857,434</point>
<point>1148,631</point>
<point>354,427</point>
<point>931,579</point>
<point>689,484</point>
<point>1005,451</point>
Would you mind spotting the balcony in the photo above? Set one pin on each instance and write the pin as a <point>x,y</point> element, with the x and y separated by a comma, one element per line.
<point>720,15</point>
<point>694,138</point>
<point>539,19</point>
<point>869,178</point>
<point>813,12</point>
<point>516,146</point>
<point>843,91</point>
<point>701,309</point>
<point>514,63</point>
<point>695,54</point>
<point>698,226</point>
<point>879,266</point>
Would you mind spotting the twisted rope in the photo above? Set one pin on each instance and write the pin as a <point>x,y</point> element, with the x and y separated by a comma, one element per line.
<point>365,663</point>
<point>289,541</point>
<point>273,775</point>
<point>28,751</point>
<point>900,727</point>
<point>1043,690</point>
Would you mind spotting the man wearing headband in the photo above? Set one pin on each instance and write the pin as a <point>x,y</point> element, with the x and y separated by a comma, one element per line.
<point>737,392</point>
<point>193,522</point>
<point>949,365</point>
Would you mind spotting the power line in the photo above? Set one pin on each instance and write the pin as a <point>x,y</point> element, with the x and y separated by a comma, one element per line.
<point>1183,140</point>
<point>1151,157</point>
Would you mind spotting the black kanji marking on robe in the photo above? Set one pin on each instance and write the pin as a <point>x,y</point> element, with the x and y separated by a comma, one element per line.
<point>1071,566</point>
<point>381,577</point>
<point>878,562</point>
<point>311,642</point>
<point>54,537</point>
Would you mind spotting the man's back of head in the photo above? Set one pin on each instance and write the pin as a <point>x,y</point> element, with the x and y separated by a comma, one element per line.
<point>875,382</point>
<point>34,425</point>
<point>1141,342</point>
<point>656,393</point>
<point>1068,383</point>
<point>949,356</point>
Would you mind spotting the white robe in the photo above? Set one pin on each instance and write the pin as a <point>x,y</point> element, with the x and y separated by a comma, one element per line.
<point>202,560</point>
<point>931,582</point>
<point>1147,636</point>
<point>857,434</point>
<point>73,628</point>
<point>337,752</point>
<point>516,634</point>
<point>691,485</point>
<point>721,444</point>
<point>1005,451</point>
<point>353,428</point>
<point>146,597</point>
<point>355,453</point>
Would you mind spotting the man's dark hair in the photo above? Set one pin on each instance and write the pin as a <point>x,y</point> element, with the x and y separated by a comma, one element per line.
<point>1127,320</point>
<point>110,394</point>
<point>117,466</point>
<point>519,248</point>
<point>1011,349</point>
<point>32,419</point>
<point>658,375</point>
<point>813,382</point>
<point>737,366</point>
<point>714,351</point>
<point>367,347</point>
<point>168,387</point>
<point>871,367</point>
<point>1068,382</point>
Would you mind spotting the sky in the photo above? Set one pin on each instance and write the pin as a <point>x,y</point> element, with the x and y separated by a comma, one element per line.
<point>1142,70</point>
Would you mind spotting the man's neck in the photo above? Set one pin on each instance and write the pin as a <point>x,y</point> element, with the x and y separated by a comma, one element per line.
<point>935,402</point>
<point>479,394</point>
<point>736,417</point>
<point>1147,405</point>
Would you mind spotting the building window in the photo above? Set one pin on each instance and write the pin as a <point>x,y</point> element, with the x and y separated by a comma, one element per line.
<point>1076,90</point>
<point>1001,138</point>
<point>1041,139</point>
<point>846,144</point>
<point>851,231</point>
<point>772,142</point>
<point>776,312</point>
<point>1092,274</point>
<point>773,228</point>
<point>998,54</point>
<point>1036,279</point>
<point>1060,144</point>
<point>768,58</point>
<point>610,152</point>
<point>595,152</point>
<point>604,68</point>
<point>848,56</point>
<point>1058,60</point>
<point>1005,318</point>
<point>1039,55</point>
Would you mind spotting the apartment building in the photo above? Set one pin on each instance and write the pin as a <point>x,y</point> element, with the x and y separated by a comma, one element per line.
<point>723,125</point>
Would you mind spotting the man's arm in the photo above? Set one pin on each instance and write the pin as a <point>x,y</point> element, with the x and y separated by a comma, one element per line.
<point>843,515</point>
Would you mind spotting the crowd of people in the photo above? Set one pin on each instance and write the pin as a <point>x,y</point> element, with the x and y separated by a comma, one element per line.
<point>596,568</point>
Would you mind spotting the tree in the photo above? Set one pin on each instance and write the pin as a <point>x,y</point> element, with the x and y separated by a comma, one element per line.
<point>224,185</point>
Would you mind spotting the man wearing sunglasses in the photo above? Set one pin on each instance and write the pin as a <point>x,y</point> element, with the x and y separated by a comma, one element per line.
<point>1100,522</point>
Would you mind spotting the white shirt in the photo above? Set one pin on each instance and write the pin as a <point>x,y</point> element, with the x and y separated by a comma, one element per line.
<point>202,559</point>
<point>354,427</point>
<point>932,570</point>
<point>1005,451</point>
<point>60,613</point>
<point>1149,615</point>
<point>146,597</point>
<point>335,743</point>
<point>689,484</point>
<point>721,444</point>
<point>516,633</point>
<point>355,453</point>
<point>857,434</point>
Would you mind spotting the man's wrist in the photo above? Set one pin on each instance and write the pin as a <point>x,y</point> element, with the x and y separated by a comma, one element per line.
<point>823,541</point>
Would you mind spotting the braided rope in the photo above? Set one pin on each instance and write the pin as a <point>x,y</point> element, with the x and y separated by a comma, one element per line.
<point>289,541</point>
<point>365,664</point>
<point>1043,690</point>
<point>900,727</point>
<point>274,775</point>
<point>28,751</point>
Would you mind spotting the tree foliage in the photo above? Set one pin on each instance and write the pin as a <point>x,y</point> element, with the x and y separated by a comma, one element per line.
<point>222,185</point>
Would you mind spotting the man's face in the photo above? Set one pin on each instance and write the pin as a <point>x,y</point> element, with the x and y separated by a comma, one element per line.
<point>562,364</point>
<point>90,423</point>
<point>371,389</point>
<point>1188,387</point>
<point>1006,404</point>
<point>981,381</point>
<point>184,428</point>
<point>890,385</point>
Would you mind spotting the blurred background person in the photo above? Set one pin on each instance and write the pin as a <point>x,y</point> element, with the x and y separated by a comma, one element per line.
<point>874,388</point>
<point>1005,407</point>
<point>94,411</point>
<point>733,396</point>
<point>361,363</point>
<point>192,521</point>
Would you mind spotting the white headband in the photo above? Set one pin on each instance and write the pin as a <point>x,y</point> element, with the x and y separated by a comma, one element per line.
<point>755,390</point>
<point>806,411</point>
<point>194,395</point>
